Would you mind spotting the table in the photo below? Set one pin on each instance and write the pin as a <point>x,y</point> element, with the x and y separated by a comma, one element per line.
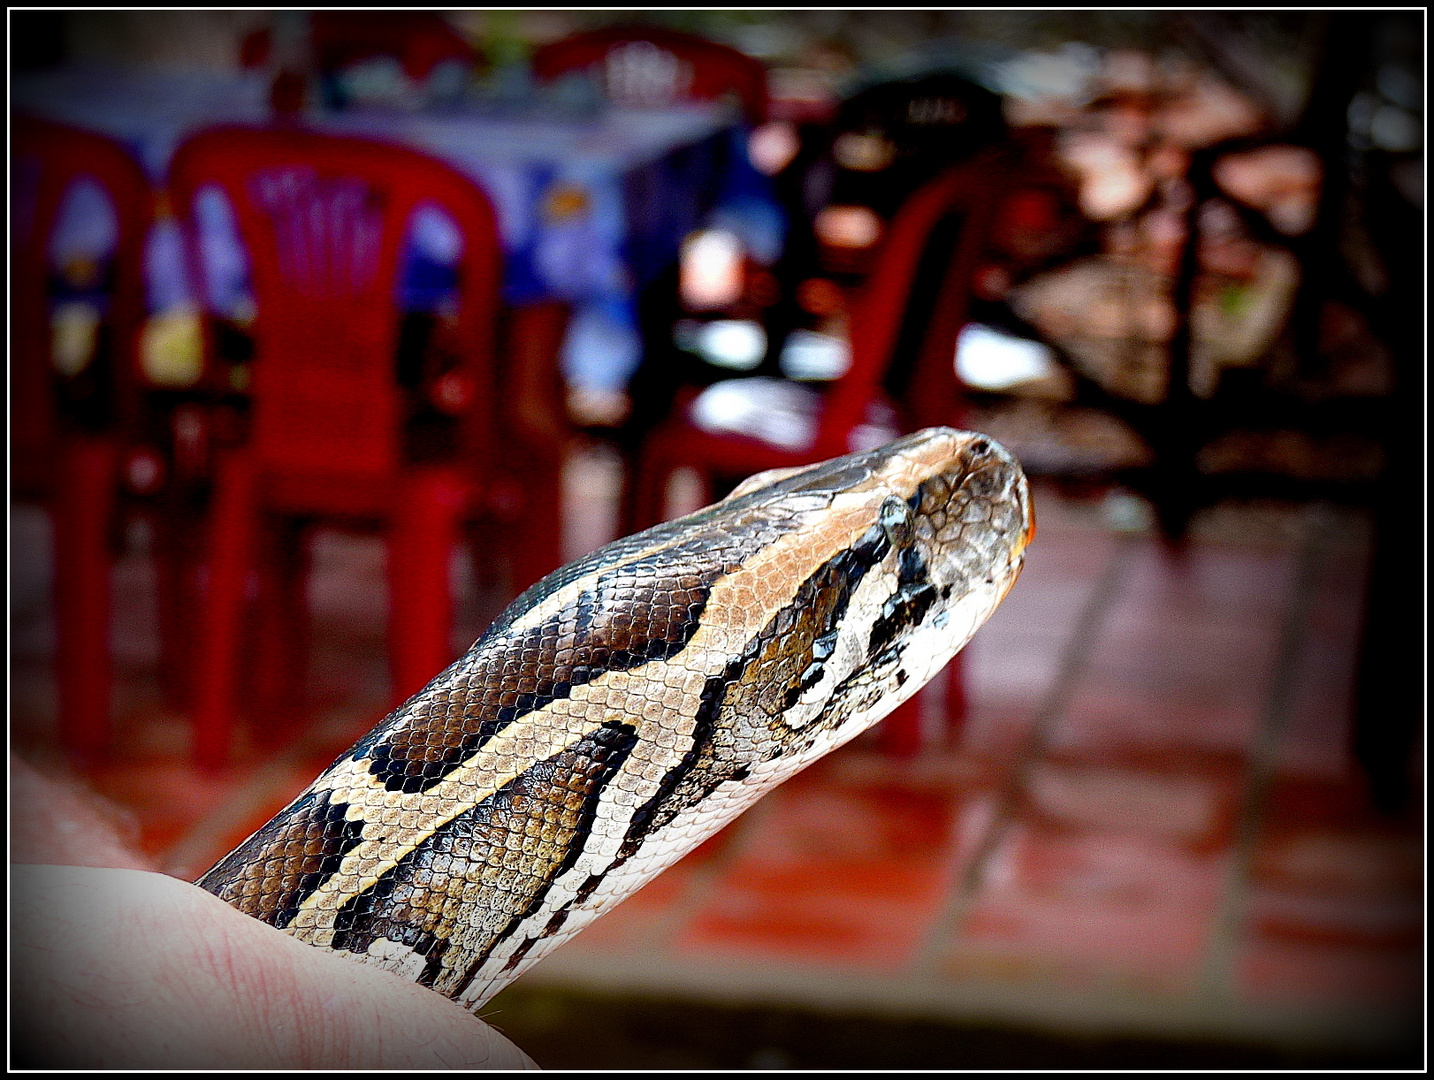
<point>592,200</point>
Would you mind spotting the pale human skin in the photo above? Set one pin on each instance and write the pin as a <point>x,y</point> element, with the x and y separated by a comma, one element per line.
<point>116,966</point>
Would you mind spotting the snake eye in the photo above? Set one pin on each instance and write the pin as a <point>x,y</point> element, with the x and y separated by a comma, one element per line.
<point>895,519</point>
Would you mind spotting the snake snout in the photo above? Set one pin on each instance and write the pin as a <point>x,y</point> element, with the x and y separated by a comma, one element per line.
<point>977,503</point>
<point>997,473</point>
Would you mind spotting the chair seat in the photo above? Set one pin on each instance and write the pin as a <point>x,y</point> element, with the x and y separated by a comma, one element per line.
<point>742,426</point>
<point>780,415</point>
<point>355,497</point>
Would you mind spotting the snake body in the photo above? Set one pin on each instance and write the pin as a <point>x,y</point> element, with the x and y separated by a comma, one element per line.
<point>629,705</point>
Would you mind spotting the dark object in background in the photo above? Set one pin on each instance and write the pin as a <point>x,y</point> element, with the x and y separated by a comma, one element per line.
<point>838,193</point>
<point>850,177</point>
<point>889,139</point>
<point>571,1029</point>
<point>939,233</point>
<point>37,40</point>
<point>1389,715</point>
<point>420,40</point>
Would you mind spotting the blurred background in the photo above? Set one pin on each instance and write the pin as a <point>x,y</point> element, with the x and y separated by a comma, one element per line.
<point>450,298</point>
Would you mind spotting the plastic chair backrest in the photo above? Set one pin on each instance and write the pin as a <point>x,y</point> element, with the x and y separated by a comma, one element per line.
<point>323,220</point>
<point>47,160</point>
<point>912,130</point>
<point>650,65</point>
<point>969,189</point>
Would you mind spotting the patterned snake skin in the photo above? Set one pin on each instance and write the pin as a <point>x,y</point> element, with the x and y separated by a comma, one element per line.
<point>629,705</point>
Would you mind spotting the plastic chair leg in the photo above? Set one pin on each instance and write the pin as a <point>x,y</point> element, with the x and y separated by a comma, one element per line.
<point>534,444</point>
<point>536,547</point>
<point>956,701</point>
<point>421,540</point>
<point>83,509</point>
<point>280,639</point>
<point>178,556</point>
<point>645,497</point>
<point>900,734</point>
<point>231,542</point>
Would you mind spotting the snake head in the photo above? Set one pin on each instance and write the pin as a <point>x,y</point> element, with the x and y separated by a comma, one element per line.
<point>890,561</point>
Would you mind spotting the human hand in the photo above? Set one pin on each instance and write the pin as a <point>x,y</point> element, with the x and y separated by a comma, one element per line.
<point>117,967</point>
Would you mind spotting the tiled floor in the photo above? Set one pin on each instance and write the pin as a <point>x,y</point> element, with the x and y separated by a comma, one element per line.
<point>1147,825</point>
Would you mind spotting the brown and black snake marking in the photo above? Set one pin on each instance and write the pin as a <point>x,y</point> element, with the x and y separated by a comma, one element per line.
<point>629,705</point>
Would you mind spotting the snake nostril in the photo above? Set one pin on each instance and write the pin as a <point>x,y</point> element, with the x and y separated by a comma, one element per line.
<point>980,446</point>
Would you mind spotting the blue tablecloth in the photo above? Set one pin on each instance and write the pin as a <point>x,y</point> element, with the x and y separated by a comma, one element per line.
<point>592,201</point>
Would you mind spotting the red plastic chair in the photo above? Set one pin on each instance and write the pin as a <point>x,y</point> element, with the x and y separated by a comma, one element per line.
<point>57,157</point>
<point>932,393</point>
<point>76,467</point>
<point>650,65</point>
<point>323,220</point>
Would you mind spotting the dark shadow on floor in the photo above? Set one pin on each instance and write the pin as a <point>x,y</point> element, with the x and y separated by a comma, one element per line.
<point>568,1030</point>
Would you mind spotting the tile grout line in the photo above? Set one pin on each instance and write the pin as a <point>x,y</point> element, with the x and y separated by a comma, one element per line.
<point>1217,982</point>
<point>1074,658</point>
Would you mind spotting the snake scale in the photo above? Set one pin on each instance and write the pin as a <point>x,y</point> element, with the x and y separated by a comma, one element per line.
<point>630,704</point>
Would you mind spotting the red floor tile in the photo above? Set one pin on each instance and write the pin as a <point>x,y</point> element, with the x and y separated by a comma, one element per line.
<point>997,732</point>
<point>1316,739</point>
<point>835,872</point>
<point>1017,671</point>
<point>166,797</point>
<point>1105,715</point>
<point>1113,869</point>
<point>1090,907</point>
<point>1204,645</point>
<point>1179,799</point>
<point>855,933</point>
<point>1081,942</point>
<point>1296,803</point>
<point>1338,884</point>
<point>1308,857</point>
<point>1319,973</point>
<point>1207,576</point>
<point>1104,866</point>
<point>1358,918</point>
